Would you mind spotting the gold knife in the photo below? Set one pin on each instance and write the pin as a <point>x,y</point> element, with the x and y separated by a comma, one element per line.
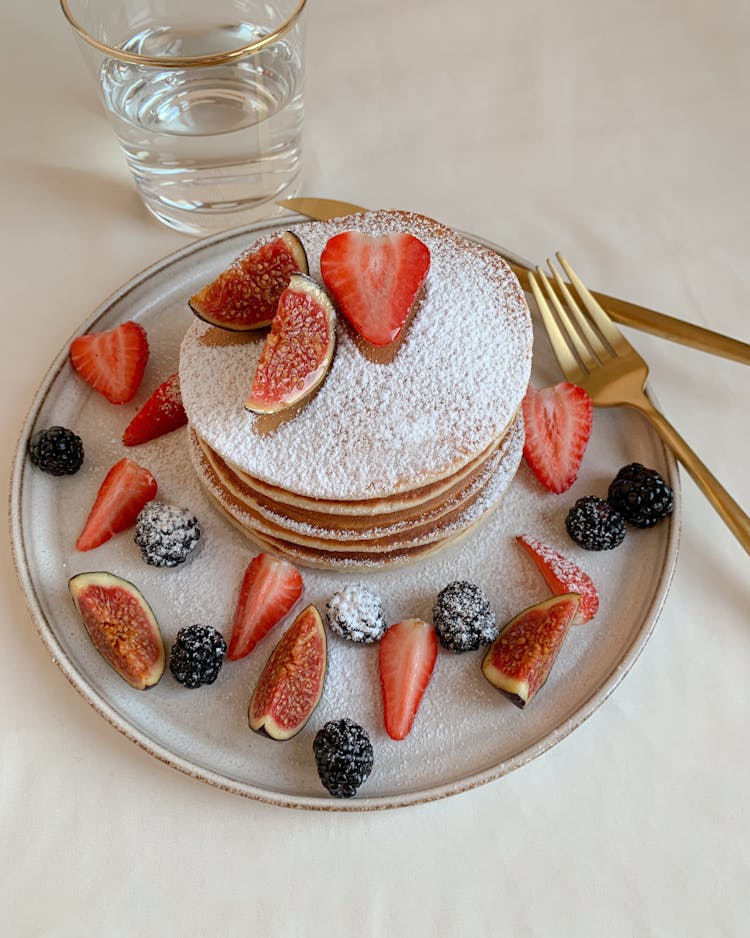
<point>629,314</point>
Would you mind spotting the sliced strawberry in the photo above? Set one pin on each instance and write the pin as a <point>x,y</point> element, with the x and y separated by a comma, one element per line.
<point>270,587</point>
<point>112,362</point>
<point>558,424</point>
<point>375,281</point>
<point>562,576</point>
<point>407,658</point>
<point>125,490</point>
<point>162,413</point>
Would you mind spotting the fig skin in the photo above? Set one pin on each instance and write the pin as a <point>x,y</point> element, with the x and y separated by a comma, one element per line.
<point>218,303</point>
<point>281,341</point>
<point>520,659</point>
<point>121,626</point>
<point>305,643</point>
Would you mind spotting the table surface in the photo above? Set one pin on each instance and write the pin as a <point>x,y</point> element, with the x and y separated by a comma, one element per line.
<point>615,132</point>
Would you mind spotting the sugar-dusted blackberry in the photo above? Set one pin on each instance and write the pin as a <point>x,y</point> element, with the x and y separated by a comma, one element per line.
<point>594,524</point>
<point>166,534</point>
<point>56,450</point>
<point>344,756</point>
<point>197,655</point>
<point>463,617</point>
<point>356,613</point>
<point>641,495</point>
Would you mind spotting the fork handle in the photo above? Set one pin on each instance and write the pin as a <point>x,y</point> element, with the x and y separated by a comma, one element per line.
<point>730,512</point>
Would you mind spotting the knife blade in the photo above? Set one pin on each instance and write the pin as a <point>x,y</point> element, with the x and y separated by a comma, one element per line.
<point>622,311</point>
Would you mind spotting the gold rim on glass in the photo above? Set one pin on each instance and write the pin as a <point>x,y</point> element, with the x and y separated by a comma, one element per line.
<point>194,61</point>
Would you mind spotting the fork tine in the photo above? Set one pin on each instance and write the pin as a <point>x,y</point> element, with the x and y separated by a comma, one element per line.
<point>589,334</point>
<point>609,330</point>
<point>558,339</point>
<point>580,348</point>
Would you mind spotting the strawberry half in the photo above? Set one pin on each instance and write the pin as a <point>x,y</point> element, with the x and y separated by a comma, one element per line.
<point>112,362</point>
<point>270,587</point>
<point>558,424</point>
<point>162,413</point>
<point>408,651</point>
<point>375,281</point>
<point>562,576</point>
<point>125,490</point>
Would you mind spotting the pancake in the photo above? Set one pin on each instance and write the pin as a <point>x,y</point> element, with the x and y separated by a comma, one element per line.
<point>388,459</point>
<point>347,522</point>
<point>399,531</point>
<point>361,510</point>
<point>373,553</point>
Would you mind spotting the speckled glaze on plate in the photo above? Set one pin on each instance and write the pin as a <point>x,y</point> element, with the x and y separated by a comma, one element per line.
<point>466,733</point>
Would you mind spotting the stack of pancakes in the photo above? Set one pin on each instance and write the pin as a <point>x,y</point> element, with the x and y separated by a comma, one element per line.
<point>390,459</point>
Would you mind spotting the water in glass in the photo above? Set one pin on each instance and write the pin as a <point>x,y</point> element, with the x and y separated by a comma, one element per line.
<point>205,141</point>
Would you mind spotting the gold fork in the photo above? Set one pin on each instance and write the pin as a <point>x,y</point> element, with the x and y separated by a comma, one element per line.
<point>594,354</point>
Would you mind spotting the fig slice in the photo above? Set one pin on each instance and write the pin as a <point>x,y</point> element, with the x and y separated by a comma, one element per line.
<point>246,294</point>
<point>298,350</point>
<point>121,625</point>
<point>291,685</point>
<point>521,657</point>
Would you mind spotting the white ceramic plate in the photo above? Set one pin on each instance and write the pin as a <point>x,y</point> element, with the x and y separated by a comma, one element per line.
<point>466,733</point>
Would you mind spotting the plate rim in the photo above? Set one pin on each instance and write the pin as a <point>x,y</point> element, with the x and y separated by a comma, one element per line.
<point>234,786</point>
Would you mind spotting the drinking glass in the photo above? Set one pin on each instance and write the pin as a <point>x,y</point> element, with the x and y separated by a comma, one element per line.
<point>206,99</point>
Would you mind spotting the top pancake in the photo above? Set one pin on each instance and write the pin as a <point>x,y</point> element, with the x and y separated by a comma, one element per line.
<point>375,429</point>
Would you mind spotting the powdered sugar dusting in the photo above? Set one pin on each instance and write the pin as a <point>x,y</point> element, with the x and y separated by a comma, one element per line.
<point>171,396</point>
<point>562,574</point>
<point>375,428</point>
<point>355,613</point>
<point>504,466</point>
<point>511,443</point>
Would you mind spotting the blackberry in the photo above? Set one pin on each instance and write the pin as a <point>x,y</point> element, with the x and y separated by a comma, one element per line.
<point>640,495</point>
<point>344,756</point>
<point>594,524</point>
<point>463,617</point>
<point>56,450</point>
<point>166,534</point>
<point>356,613</point>
<point>197,655</point>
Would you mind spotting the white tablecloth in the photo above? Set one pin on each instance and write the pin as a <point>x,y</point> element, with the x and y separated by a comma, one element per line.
<point>617,132</point>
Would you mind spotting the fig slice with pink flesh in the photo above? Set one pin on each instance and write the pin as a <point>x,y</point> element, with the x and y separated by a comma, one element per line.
<point>298,350</point>
<point>520,659</point>
<point>121,625</point>
<point>246,294</point>
<point>291,685</point>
